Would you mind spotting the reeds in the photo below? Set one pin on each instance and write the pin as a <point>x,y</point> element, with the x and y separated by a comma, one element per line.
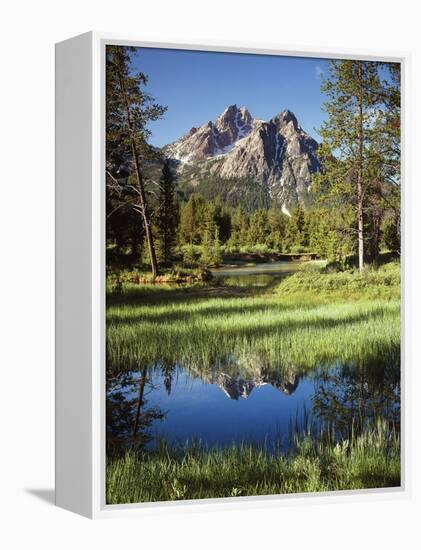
<point>315,464</point>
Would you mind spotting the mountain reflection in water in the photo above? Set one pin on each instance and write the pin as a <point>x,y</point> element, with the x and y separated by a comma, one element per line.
<point>236,387</point>
<point>179,404</point>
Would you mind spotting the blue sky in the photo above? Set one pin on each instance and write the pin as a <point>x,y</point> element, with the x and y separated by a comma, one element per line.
<point>197,86</point>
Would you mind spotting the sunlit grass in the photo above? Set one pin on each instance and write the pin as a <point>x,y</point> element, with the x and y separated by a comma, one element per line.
<point>308,319</point>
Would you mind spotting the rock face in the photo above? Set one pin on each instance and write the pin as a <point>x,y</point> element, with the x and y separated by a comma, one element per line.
<point>213,138</point>
<point>277,155</point>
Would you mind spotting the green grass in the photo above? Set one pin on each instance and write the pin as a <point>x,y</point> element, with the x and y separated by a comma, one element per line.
<point>383,283</point>
<point>310,318</point>
<point>369,460</point>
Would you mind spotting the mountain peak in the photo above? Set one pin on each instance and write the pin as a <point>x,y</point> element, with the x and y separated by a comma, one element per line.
<point>277,155</point>
<point>232,109</point>
<point>285,117</point>
<point>229,109</point>
<point>213,138</point>
<point>238,120</point>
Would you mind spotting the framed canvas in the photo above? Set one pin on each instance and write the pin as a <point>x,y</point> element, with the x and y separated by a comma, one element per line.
<point>230,249</point>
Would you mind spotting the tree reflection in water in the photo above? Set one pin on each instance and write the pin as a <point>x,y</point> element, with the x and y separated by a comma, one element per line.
<point>128,416</point>
<point>351,396</point>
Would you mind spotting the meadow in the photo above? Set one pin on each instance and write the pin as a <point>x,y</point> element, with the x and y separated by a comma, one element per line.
<point>313,317</point>
<point>308,318</point>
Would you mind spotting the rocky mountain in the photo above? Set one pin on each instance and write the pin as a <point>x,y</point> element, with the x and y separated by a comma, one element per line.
<point>213,138</point>
<point>274,158</point>
<point>235,387</point>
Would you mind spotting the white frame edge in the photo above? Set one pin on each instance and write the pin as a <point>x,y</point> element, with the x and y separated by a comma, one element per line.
<point>80,280</point>
<point>74,316</point>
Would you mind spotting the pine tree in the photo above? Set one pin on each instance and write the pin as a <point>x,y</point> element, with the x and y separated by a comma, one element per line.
<point>222,219</point>
<point>217,255</point>
<point>166,215</point>
<point>189,255</point>
<point>206,256</point>
<point>239,228</point>
<point>384,157</point>
<point>258,228</point>
<point>296,236</point>
<point>391,234</point>
<point>129,110</point>
<point>276,228</point>
<point>192,219</point>
<point>208,231</point>
<point>354,90</point>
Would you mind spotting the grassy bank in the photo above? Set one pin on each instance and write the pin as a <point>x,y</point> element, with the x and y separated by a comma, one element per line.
<point>369,460</point>
<point>309,318</point>
<point>317,283</point>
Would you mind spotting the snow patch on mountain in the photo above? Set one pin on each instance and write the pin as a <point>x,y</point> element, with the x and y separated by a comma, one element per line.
<point>285,210</point>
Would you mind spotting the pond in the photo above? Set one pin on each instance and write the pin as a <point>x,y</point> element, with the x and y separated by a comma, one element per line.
<point>230,402</point>
<point>223,407</point>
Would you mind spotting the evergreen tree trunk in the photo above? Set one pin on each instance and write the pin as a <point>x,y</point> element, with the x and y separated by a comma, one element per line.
<point>146,220</point>
<point>166,221</point>
<point>398,230</point>
<point>376,240</point>
<point>360,193</point>
<point>375,224</point>
<point>141,187</point>
<point>360,224</point>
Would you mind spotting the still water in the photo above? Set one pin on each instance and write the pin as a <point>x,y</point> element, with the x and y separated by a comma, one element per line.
<point>224,405</point>
<point>256,274</point>
<point>221,408</point>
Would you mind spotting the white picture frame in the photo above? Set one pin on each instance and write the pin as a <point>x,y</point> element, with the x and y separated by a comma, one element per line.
<point>80,279</point>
